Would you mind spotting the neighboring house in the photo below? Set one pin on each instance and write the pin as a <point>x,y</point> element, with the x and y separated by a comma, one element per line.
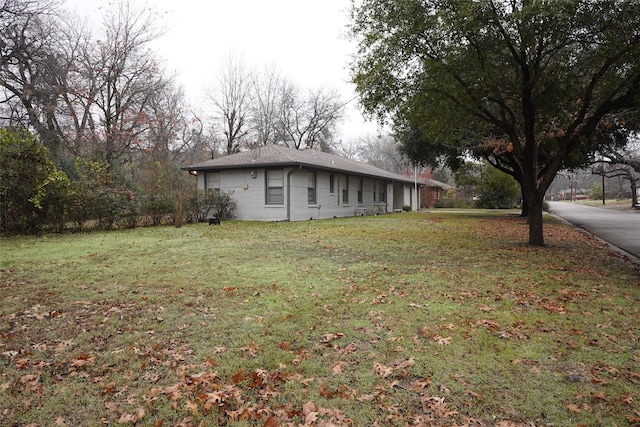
<point>432,191</point>
<point>277,183</point>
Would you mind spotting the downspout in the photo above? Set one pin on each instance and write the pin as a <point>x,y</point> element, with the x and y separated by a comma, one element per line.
<point>289,191</point>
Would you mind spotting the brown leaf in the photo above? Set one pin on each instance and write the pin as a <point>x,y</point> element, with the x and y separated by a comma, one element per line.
<point>310,412</point>
<point>420,385</point>
<point>474,394</point>
<point>271,422</point>
<point>626,399</point>
<point>633,418</point>
<point>137,415</point>
<point>443,341</point>
<point>284,346</point>
<point>437,407</point>
<point>336,369</point>
<point>403,364</point>
<point>191,406</point>
<point>382,370</point>
<point>573,408</point>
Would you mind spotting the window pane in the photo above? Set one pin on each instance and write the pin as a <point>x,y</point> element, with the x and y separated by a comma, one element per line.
<point>311,187</point>
<point>274,178</point>
<point>212,180</point>
<point>275,188</point>
<point>275,195</point>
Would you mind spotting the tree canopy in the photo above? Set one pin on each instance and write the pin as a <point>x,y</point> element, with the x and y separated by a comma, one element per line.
<point>535,86</point>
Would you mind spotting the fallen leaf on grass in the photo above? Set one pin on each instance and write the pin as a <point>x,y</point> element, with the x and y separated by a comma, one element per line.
<point>489,324</point>
<point>420,385</point>
<point>573,408</point>
<point>474,394</point>
<point>137,415</point>
<point>336,369</point>
<point>252,350</point>
<point>436,406</point>
<point>443,341</point>
<point>271,422</point>
<point>403,364</point>
<point>310,412</point>
<point>626,399</point>
<point>192,407</point>
<point>633,418</point>
<point>330,337</point>
<point>382,370</point>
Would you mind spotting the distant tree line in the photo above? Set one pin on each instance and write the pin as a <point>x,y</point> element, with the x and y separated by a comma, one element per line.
<point>95,130</point>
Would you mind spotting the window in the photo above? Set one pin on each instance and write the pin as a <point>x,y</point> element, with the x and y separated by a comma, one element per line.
<point>332,180</point>
<point>345,191</point>
<point>359,191</point>
<point>379,194</point>
<point>311,187</point>
<point>275,188</point>
<point>212,181</point>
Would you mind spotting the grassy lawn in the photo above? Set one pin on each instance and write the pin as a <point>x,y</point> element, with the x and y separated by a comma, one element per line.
<point>413,319</point>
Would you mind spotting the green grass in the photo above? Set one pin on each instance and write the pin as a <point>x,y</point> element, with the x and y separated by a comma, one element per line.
<point>407,319</point>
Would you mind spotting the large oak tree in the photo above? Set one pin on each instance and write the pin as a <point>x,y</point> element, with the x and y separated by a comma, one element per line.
<point>537,83</point>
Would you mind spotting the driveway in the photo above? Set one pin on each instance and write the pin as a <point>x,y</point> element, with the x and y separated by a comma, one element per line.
<point>620,228</point>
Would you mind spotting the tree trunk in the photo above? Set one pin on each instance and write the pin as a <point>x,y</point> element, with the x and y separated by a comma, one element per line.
<point>525,205</point>
<point>534,219</point>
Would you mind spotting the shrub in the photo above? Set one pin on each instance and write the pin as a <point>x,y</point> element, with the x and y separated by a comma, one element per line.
<point>34,193</point>
<point>498,190</point>
<point>595,192</point>
<point>218,203</point>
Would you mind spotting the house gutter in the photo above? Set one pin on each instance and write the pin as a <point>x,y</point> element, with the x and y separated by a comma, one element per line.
<point>291,172</point>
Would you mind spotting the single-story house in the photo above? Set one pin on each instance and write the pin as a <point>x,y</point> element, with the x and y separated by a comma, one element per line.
<point>277,183</point>
<point>432,191</point>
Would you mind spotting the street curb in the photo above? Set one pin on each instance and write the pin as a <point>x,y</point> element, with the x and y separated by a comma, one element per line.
<point>627,256</point>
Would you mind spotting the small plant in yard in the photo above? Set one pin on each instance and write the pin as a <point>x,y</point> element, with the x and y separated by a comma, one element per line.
<point>397,320</point>
<point>218,203</point>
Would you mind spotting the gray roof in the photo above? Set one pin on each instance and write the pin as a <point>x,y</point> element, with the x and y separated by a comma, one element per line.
<point>433,183</point>
<point>281,156</point>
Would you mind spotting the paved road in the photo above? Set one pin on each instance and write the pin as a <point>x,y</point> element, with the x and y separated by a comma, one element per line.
<point>620,228</point>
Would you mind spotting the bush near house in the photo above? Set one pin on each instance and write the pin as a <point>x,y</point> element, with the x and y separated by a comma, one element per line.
<point>33,191</point>
<point>220,204</point>
<point>36,196</point>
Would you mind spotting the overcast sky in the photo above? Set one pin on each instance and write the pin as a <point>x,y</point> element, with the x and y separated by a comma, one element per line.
<point>303,38</point>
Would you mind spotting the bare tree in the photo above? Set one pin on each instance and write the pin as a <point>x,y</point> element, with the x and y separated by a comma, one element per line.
<point>166,117</point>
<point>623,163</point>
<point>127,77</point>
<point>231,99</point>
<point>309,122</point>
<point>383,152</point>
<point>90,95</point>
<point>28,66</point>
<point>267,88</point>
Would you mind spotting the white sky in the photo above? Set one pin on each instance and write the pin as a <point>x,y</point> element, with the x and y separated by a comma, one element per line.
<point>303,38</point>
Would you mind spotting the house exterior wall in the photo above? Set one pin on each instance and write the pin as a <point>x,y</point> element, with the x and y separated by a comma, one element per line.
<point>248,188</point>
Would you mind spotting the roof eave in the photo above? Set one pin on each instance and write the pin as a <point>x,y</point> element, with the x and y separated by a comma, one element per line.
<point>292,164</point>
